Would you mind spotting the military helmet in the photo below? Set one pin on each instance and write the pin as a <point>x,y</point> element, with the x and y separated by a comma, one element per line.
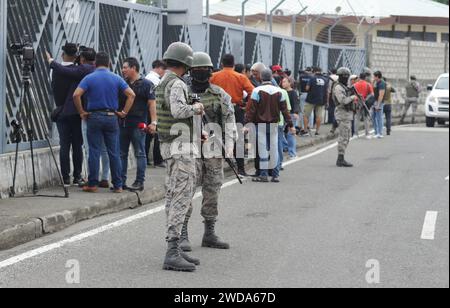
<point>180,52</point>
<point>343,71</point>
<point>202,59</point>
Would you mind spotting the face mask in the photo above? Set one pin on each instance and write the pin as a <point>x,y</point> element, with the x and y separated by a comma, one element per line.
<point>344,80</point>
<point>201,76</point>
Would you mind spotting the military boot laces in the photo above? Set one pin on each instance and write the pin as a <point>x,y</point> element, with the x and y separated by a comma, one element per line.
<point>210,239</point>
<point>185,245</point>
<point>342,163</point>
<point>174,261</point>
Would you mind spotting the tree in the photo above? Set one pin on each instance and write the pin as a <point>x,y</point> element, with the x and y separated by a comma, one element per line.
<point>442,1</point>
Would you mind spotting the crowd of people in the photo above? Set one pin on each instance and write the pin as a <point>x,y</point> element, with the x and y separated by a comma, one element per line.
<point>101,115</point>
<point>297,106</point>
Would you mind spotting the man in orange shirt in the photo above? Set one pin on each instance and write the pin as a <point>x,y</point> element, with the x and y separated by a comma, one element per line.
<point>235,85</point>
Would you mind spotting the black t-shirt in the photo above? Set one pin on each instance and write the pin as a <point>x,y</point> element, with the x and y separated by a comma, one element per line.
<point>295,101</point>
<point>318,90</point>
<point>139,113</point>
<point>304,81</point>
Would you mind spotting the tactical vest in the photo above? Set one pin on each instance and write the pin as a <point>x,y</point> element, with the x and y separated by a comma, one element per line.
<point>352,107</point>
<point>212,101</point>
<point>411,90</point>
<point>165,117</point>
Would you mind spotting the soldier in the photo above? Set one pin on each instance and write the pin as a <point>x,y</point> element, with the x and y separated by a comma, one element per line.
<point>345,107</point>
<point>219,110</point>
<point>176,113</point>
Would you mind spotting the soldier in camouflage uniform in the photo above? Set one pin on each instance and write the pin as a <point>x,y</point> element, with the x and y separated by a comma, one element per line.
<point>345,111</point>
<point>218,110</point>
<point>175,116</point>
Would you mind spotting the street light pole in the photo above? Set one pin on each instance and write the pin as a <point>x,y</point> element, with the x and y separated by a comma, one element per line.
<point>294,21</point>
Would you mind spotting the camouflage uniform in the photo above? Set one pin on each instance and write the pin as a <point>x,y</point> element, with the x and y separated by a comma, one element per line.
<point>344,116</point>
<point>181,170</point>
<point>219,109</point>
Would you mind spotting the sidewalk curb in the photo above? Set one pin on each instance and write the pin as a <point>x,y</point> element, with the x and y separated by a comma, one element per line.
<point>41,226</point>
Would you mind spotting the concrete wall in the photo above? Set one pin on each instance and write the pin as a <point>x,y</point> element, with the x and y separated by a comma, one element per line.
<point>398,59</point>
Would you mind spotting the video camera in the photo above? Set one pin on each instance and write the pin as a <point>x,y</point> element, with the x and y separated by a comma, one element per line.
<point>26,52</point>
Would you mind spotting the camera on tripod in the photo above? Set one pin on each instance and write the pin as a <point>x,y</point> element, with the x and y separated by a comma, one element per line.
<point>26,52</point>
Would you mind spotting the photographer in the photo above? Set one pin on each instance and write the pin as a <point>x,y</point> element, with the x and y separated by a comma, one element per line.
<point>64,83</point>
<point>74,74</point>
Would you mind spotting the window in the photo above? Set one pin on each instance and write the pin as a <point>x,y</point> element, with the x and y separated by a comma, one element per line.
<point>416,36</point>
<point>444,37</point>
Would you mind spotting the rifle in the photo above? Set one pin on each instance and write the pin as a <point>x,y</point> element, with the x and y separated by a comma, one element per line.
<point>362,102</point>
<point>206,121</point>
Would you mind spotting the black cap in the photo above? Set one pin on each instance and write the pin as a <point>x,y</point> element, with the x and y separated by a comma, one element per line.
<point>70,49</point>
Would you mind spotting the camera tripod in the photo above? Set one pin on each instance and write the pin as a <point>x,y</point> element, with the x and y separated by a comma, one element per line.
<point>27,100</point>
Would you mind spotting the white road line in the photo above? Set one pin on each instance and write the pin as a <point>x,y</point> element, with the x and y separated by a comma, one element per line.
<point>422,130</point>
<point>125,221</point>
<point>429,225</point>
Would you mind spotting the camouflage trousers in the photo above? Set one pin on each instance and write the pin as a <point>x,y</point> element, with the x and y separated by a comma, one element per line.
<point>345,133</point>
<point>210,177</point>
<point>180,185</point>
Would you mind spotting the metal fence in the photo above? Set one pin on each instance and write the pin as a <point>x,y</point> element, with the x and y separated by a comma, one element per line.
<point>124,29</point>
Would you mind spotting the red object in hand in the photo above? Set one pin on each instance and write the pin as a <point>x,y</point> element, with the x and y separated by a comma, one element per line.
<point>142,126</point>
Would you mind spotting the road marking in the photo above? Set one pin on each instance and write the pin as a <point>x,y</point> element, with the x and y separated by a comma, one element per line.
<point>429,225</point>
<point>447,178</point>
<point>128,220</point>
<point>422,130</point>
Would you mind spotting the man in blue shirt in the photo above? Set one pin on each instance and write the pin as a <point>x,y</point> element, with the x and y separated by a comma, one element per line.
<point>317,98</point>
<point>131,129</point>
<point>101,90</point>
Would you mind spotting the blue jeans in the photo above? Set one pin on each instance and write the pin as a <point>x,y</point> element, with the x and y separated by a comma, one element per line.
<point>268,149</point>
<point>378,121</point>
<point>104,129</point>
<point>133,136</point>
<point>292,142</point>
<point>104,156</point>
<point>281,144</point>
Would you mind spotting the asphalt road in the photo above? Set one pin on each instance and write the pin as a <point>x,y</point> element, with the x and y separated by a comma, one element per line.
<point>321,227</point>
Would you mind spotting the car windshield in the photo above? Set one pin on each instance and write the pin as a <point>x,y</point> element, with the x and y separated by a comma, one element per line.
<point>442,84</point>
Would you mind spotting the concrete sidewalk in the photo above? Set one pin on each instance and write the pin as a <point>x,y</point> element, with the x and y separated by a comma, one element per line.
<point>25,219</point>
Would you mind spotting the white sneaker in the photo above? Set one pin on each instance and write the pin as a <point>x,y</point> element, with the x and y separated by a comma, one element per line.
<point>380,136</point>
<point>369,137</point>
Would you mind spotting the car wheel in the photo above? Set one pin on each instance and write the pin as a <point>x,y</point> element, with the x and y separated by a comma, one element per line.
<point>441,122</point>
<point>431,122</point>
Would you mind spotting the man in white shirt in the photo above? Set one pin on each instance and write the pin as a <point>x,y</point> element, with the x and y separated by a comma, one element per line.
<point>159,70</point>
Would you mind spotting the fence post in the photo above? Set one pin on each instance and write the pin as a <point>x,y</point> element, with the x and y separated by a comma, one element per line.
<point>409,58</point>
<point>369,48</point>
<point>3,55</point>
<point>97,25</point>
<point>446,58</point>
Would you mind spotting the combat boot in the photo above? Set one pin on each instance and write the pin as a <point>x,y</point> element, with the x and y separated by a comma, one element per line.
<point>210,239</point>
<point>174,261</point>
<point>185,245</point>
<point>342,163</point>
<point>190,259</point>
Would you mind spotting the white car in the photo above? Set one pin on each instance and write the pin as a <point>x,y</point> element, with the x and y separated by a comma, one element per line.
<point>436,107</point>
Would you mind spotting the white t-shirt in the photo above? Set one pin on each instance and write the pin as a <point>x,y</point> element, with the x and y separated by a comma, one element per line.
<point>154,78</point>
